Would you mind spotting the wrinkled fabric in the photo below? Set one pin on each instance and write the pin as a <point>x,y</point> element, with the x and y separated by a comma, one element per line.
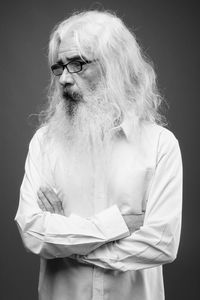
<point>89,253</point>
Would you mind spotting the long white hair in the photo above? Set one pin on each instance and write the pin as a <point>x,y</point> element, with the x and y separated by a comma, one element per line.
<point>129,77</point>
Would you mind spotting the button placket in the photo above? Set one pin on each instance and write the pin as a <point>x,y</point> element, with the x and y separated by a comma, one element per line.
<point>98,290</point>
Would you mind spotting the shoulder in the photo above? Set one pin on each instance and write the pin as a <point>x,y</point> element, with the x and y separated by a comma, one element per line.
<point>38,140</point>
<point>158,134</point>
<point>160,139</point>
<point>167,141</point>
<point>158,131</point>
<point>40,133</point>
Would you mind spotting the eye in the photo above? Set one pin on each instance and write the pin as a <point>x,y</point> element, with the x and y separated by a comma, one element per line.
<point>75,66</point>
<point>57,69</point>
<point>77,63</point>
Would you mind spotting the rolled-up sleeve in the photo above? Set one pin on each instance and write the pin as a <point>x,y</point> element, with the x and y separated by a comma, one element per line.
<point>52,235</point>
<point>156,242</point>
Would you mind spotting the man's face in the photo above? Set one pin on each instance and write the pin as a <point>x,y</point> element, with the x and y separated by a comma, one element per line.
<point>76,87</point>
<point>84,117</point>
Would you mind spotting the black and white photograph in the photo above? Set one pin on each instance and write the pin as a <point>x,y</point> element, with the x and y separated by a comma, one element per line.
<point>100,150</point>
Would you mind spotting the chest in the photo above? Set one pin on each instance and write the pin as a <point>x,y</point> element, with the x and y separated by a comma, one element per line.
<point>87,187</point>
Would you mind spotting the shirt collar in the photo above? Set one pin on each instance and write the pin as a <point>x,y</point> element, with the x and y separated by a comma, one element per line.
<point>125,128</point>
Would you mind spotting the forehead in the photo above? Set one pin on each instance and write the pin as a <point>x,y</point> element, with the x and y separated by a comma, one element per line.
<point>68,47</point>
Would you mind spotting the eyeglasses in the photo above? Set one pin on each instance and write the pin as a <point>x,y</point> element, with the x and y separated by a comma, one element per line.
<point>74,66</point>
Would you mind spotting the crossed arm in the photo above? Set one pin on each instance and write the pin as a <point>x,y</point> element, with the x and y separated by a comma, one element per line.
<point>48,200</point>
<point>108,240</point>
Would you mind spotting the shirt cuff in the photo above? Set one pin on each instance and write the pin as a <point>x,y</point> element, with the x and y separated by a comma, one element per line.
<point>111,223</point>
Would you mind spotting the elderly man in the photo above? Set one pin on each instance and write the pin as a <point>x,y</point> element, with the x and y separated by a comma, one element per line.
<point>100,161</point>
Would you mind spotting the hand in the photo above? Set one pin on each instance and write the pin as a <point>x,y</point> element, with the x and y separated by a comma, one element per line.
<point>49,201</point>
<point>133,222</point>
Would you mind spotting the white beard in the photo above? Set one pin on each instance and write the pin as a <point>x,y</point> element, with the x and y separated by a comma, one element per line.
<point>85,126</point>
<point>85,135</point>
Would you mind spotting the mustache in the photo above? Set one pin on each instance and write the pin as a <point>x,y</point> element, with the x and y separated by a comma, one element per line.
<point>71,96</point>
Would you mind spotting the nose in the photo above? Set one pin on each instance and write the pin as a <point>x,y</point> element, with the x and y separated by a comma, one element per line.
<point>66,78</point>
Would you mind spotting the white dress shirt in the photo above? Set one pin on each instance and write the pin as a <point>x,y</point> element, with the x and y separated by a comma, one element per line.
<point>89,253</point>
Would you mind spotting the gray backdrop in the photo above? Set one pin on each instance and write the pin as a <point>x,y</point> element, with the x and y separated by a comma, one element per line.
<point>168,32</point>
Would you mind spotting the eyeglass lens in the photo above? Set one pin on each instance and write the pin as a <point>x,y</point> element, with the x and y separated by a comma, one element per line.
<point>72,67</point>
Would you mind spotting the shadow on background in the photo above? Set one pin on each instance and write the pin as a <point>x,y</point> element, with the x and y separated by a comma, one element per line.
<point>168,33</point>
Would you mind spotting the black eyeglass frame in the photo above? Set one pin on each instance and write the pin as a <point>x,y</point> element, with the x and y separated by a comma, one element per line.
<point>63,66</point>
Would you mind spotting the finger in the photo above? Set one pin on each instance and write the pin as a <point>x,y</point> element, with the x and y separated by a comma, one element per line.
<point>41,205</point>
<point>60,209</point>
<point>49,196</point>
<point>45,202</point>
<point>53,200</point>
<point>141,219</point>
<point>138,220</point>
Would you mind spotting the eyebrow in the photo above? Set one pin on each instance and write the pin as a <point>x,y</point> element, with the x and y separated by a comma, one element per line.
<point>76,57</point>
